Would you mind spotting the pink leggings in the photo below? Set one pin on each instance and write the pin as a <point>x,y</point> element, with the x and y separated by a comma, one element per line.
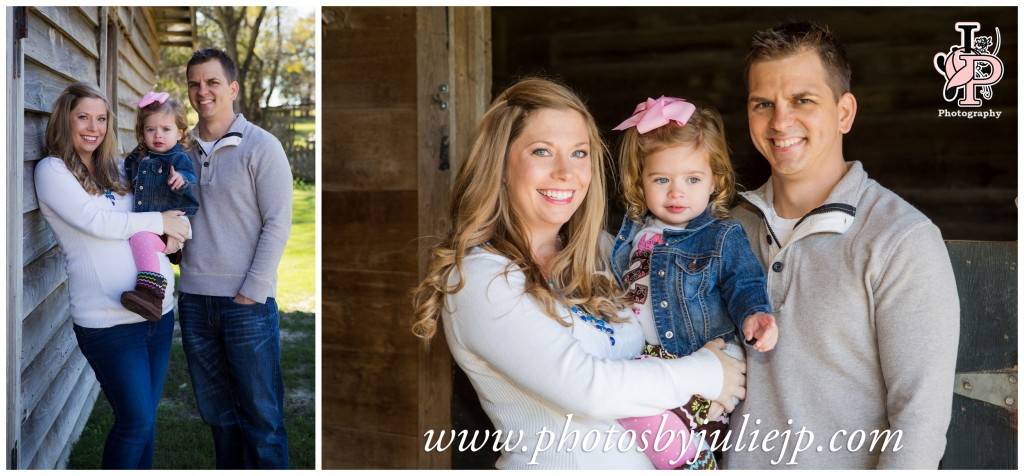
<point>145,246</point>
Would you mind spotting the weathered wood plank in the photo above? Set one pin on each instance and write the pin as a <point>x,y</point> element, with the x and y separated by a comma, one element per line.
<point>136,36</point>
<point>52,317</point>
<point>70,21</point>
<point>83,417</point>
<point>986,281</point>
<point>367,19</point>
<point>63,398</point>
<point>41,277</point>
<point>370,68</point>
<point>370,391</point>
<point>385,220</point>
<point>134,78</point>
<point>44,368</point>
<point>980,436</point>
<point>91,14</point>
<point>134,69</point>
<point>351,163</point>
<point>35,131</point>
<point>381,302</point>
<point>42,87</point>
<point>344,448</point>
<point>48,46</point>
<point>37,238</point>
<point>29,200</point>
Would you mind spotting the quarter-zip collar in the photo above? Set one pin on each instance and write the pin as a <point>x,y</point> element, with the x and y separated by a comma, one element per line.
<point>836,215</point>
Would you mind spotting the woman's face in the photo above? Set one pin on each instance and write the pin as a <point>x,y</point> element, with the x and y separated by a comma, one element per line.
<point>549,170</point>
<point>88,126</point>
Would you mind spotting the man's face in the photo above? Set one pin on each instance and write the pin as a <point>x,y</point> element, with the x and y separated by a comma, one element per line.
<point>210,91</point>
<point>795,120</point>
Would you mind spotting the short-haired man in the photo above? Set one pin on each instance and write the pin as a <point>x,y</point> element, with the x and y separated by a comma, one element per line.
<point>860,282</point>
<point>227,312</point>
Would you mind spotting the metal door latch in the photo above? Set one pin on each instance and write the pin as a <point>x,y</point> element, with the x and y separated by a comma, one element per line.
<point>441,97</point>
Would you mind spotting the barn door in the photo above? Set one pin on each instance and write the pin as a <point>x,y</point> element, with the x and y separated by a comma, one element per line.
<point>983,430</point>
<point>453,69</point>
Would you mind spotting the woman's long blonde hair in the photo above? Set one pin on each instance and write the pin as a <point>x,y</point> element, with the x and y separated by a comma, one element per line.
<point>704,129</point>
<point>481,215</point>
<point>105,174</point>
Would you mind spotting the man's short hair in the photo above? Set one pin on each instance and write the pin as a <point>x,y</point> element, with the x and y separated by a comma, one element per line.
<point>210,54</point>
<point>791,38</point>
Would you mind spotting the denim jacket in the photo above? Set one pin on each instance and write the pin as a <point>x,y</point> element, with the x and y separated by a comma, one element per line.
<point>705,280</point>
<point>149,175</point>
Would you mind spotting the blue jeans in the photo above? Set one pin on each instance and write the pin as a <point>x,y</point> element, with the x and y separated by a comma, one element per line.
<point>234,359</point>
<point>130,361</point>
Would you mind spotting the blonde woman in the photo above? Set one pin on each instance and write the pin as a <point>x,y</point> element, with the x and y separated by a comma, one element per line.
<point>531,313</point>
<point>84,198</point>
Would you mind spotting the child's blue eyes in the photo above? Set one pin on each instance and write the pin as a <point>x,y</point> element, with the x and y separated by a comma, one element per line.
<point>689,180</point>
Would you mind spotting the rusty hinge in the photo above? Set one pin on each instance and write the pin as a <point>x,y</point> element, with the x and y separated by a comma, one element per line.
<point>998,388</point>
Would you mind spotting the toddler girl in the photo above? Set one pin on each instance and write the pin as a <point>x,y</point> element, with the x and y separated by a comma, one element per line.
<point>161,178</point>
<point>688,269</point>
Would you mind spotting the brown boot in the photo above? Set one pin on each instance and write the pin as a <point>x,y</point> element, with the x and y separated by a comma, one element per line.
<point>143,302</point>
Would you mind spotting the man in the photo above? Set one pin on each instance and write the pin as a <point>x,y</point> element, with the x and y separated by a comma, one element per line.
<point>860,282</point>
<point>227,312</point>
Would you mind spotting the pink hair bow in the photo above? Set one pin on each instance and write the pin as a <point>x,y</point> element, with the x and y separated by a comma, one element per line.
<point>150,98</point>
<point>654,113</point>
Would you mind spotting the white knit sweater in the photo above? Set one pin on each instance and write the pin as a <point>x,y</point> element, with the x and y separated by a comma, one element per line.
<point>93,233</point>
<point>530,372</point>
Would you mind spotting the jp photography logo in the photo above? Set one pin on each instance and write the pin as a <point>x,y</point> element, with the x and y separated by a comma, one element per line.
<point>970,69</point>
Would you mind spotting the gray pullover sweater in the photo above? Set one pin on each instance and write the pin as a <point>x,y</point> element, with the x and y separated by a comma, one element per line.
<point>239,235</point>
<point>868,316</point>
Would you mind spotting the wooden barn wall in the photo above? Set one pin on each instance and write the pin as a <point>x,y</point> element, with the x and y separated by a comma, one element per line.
<point>58,388</point>
<point>137,58</point>
<point>369,189</point>
<point>960,172</point>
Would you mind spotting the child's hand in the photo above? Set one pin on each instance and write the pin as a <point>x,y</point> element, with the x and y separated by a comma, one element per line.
<point>762,327</point>
<point>176,181</point>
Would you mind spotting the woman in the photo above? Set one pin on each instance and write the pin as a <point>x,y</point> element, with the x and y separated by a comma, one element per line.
<point>83,196</point>
<point>530,312</point>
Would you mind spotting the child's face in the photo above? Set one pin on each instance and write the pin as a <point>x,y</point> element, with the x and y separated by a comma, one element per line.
<point>161,132</point>
<point>677,184</point>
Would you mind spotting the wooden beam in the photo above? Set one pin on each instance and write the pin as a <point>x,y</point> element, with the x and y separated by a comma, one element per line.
<point>14,22</point>
<point>434,125</point>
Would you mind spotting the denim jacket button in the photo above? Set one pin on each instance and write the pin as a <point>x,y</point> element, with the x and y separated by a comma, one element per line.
<point>664,304</point>
<point>139,202</point>
<point>777,266</point>
<point>669,334</point>
<point>140,187</point>
<point>622,238</point>
<point>661,273</point>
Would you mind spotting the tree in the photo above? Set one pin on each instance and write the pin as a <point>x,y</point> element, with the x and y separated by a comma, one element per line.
<point>240,27</point>
<point>274,52</point>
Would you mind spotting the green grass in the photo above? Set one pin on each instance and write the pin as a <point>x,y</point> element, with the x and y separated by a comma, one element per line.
<point>296,277</point>
<point>183,441</point>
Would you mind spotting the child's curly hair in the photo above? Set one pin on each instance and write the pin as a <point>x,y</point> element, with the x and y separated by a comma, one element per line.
<point>703,129</point>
